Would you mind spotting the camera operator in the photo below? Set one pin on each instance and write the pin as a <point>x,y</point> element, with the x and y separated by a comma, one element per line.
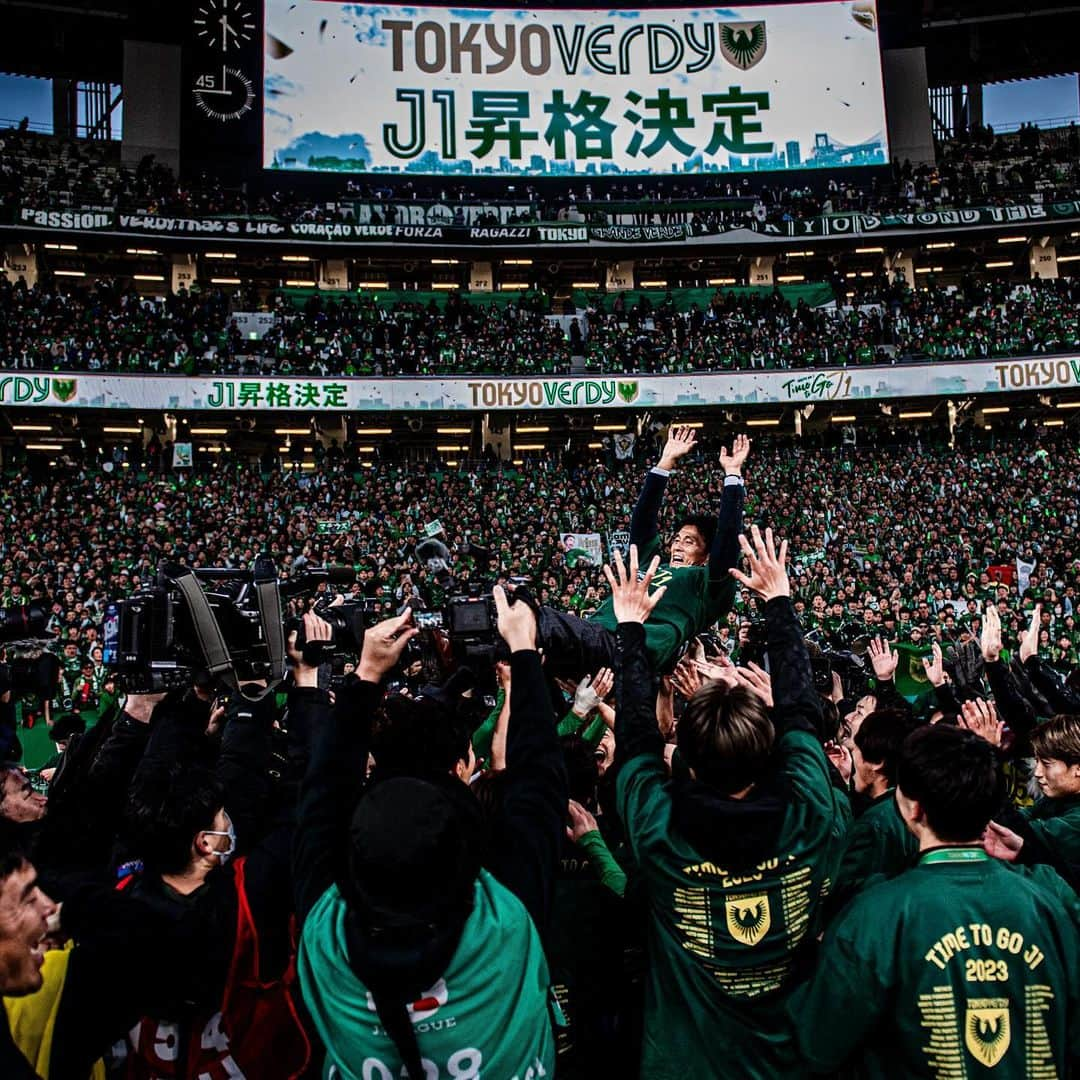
<point>413,916</point>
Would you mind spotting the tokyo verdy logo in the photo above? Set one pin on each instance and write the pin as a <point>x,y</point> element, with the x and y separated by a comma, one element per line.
<point>742,43</point>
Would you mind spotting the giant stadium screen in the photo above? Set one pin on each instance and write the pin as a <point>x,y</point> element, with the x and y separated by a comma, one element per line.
<point>466,91</point>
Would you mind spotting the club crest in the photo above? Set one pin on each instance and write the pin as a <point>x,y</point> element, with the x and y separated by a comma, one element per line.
<point>748,917</point>
<point>742,44</point>
<point>987,1032</point>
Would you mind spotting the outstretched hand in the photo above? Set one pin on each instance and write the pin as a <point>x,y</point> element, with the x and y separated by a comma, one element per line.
<point>883,659</point>
<point>734,461</point>
<point>1029,642</point>
<point>768,573</point>
<point>383,645</point>
<point>680,442</point>
<point>630,596</point>
<point>990,638</point>
<point>517,623</point>
<point>980,717</point>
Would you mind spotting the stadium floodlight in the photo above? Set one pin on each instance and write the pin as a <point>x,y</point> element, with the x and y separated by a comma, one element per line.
<point>1012,239</point>
<point>1060,405</point>
<point>209,431</point>
<point>609,427</point>
<point>916,415</point>
<point>529,446</point>
<point>762,423</point>
<point>847,419</point>
<point>534,429</point>
<point>122,430</point>
<point>996,409</point>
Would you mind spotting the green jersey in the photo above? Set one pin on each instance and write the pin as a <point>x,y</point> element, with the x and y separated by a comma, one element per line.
<point>1056,825</point>
<point>878,843</point>
<point>960,965</point>
<point>692,600</point>
<point>722,944</point>
<point>487,1015</point>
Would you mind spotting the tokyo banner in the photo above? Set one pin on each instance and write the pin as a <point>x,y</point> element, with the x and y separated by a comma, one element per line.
<point>468,91</point>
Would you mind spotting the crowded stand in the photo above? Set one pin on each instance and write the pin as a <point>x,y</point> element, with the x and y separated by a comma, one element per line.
<point>655,822</point>
<point>111,328</point>
<point>978,169</point>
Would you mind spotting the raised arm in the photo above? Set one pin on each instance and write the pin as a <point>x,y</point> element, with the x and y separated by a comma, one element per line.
<point>797,704</point>
<point>644,522</point>
<point>724,553</point>
<point>636,728</point>
<point>534,799</point>
<point>336,771</point>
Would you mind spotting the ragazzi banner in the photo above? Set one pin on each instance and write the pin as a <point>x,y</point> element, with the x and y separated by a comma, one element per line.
<point>426,232</point>
<point>468,90</point>
<point>234,394</point>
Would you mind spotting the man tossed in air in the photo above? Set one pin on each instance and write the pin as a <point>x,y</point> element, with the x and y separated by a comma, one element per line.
<point>698,587</point>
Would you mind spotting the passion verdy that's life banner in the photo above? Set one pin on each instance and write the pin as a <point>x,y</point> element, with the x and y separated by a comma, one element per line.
<point>469,91</point>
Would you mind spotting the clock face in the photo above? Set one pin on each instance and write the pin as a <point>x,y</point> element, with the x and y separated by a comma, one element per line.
<point>224,24</point>
<point>224,95</point>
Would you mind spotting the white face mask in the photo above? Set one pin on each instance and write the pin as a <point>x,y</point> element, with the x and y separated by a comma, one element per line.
<point>224,856</point>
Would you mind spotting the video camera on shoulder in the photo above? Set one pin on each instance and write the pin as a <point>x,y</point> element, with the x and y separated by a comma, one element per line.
<point>26,666</point>
<point>468,623</point>
<point>222,619</point>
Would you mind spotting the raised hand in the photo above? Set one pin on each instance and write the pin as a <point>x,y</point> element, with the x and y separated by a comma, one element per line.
<point>883,659</point>
<point>981,717</point>
<point>733,462</point>
<point>686,678</point>
<point>383,645</point>
<point>1002,843</point>
<point>758,681</point>
<point>631,598</point>
<point>990,638</point>
<point>680,442</point>
<point>591,691</point>
<point>581,821</point>
<point>1029,643</point>
<point>934,666</point>
<point>517,623</point>
<point>768,573</point>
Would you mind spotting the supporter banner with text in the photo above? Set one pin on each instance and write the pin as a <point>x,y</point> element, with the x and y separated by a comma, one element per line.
<point>236,393</point>
<point>467,91</point>
<point>421,229</point>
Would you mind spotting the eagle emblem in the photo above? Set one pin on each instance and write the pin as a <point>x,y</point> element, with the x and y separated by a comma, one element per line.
<point>742,43</point>
<point>987,1032</point>
<point>748,918</point>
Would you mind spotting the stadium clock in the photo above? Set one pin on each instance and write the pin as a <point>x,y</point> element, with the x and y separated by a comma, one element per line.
<point>224,24</point>
<point>225,95</point>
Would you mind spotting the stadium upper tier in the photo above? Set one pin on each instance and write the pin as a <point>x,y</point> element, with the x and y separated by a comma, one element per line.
<point>40,172</point>
<point>111,328</point>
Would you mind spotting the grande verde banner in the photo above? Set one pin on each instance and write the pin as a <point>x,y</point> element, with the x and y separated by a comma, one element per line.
<point>504,91</point>
<point>239,393</point>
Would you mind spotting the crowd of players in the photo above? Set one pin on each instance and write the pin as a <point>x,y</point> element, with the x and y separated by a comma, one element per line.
<point>662,846</point>
<point>110,328</point>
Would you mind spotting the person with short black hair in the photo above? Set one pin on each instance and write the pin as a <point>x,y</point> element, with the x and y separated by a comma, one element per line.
<point>697,586</point>
<point>958,965</point>
<point>878,842</point>
<point>25,911</point>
